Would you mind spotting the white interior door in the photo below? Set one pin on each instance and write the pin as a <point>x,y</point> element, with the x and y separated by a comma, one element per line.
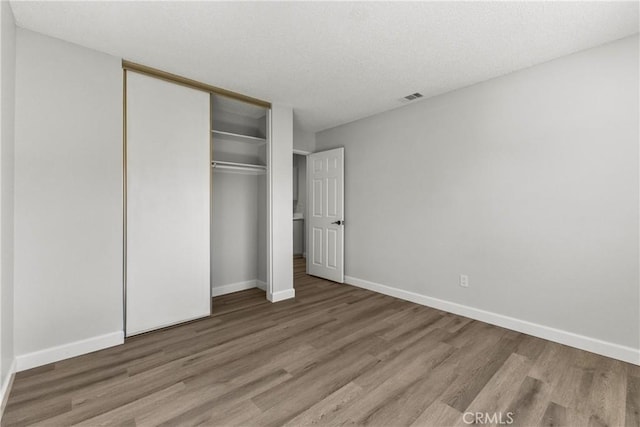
<point>325,183</point>
<point>168,202</point>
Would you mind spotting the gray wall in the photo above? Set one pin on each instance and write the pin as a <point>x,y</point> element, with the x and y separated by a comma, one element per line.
<point>7,137</point>
<point>68,193</point>
<point>528,183</point>
<point>234,229</point>
<point>303,140</point>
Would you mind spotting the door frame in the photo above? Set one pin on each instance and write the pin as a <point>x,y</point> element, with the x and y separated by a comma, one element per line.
<point>304,153</point>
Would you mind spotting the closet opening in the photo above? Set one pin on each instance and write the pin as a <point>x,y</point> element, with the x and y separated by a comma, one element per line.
<point>299,214</point>
<point>239,144</point>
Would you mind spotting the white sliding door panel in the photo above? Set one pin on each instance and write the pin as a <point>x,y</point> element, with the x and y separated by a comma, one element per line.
<point>325,175</point>
<point>168,203</point>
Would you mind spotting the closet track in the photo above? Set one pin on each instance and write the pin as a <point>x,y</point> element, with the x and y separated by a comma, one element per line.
<point>174,78</point>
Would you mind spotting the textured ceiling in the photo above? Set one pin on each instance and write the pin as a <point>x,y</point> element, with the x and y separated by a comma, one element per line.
<point>334,62</point>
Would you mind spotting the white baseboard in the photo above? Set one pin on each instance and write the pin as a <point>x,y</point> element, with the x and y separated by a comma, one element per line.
<point>261,285</point>
<point>233,287</point>
<point>282,295</point>
<point>66,351</point>
<point>615,351</point>
<point>6,387</point>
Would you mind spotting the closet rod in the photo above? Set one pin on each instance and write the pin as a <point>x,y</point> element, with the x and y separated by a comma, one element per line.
<point>238,166</point>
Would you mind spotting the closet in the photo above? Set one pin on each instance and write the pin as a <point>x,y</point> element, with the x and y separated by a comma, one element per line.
<point>239,197</point>
<point>195,199</point>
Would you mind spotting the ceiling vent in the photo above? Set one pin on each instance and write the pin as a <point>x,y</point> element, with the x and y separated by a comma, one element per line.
<point>412,97</point>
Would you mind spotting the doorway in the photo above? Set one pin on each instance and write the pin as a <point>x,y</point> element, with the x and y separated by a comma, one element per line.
<point>299,205</point>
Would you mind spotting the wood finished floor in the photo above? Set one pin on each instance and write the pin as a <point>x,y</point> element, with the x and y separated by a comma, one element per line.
<point>336,355</point>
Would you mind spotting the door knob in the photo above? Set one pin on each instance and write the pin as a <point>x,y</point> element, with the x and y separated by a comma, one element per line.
<point>339,222</point>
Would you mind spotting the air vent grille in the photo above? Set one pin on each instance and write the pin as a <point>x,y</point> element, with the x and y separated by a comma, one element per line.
<point>413,96</point>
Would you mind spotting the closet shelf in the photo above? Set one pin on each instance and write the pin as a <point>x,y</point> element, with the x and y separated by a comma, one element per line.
<point>239,167</point>
<point>240,137</point>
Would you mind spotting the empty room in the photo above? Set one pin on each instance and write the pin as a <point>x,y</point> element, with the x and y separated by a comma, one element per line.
<point>231,213</point>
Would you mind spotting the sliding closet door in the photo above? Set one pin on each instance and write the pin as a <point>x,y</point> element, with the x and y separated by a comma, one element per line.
<point>168,201</point>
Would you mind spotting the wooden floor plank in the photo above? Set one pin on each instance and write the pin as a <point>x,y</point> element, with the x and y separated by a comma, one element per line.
<point>555,416</point>
<point>438,414</point>
<point>530,402</point>
<point>335,355</point>
<point>324,411</point>
<point>496,395</point>
<point>632,407</point>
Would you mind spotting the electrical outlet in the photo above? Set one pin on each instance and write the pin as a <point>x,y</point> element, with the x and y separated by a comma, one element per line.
<point>464,280</point>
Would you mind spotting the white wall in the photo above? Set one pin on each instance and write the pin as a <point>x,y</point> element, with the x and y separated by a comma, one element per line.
<point>234,230</point>
<point>262,273</point>
<point>7,135</point>
<point>528,183</point>
<point>68,199</point>
<point>281,198</point>
<point>303,140</point>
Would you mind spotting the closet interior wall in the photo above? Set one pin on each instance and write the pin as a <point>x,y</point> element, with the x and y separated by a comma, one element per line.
<point>239,195</point>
